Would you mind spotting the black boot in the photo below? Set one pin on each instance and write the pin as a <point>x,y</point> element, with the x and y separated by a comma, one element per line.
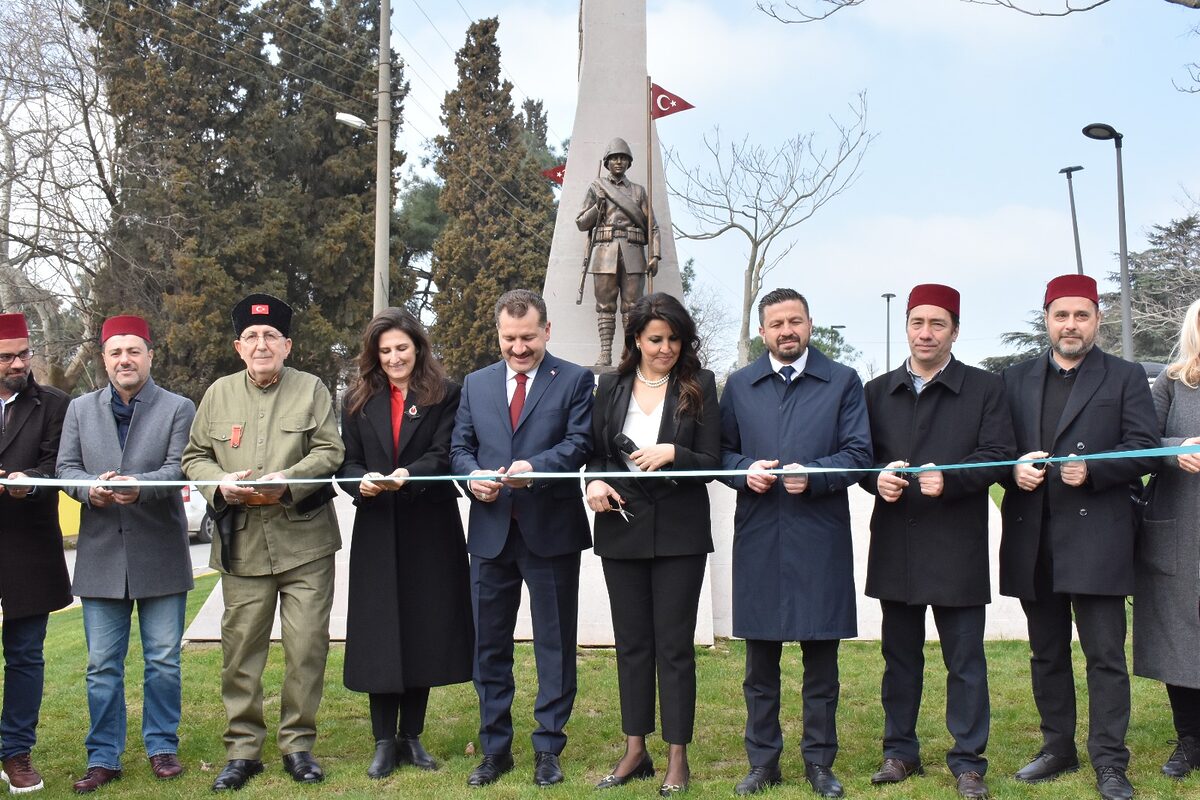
<point>384,763</point>
<point>1185,758</point>
<point>410,751</point>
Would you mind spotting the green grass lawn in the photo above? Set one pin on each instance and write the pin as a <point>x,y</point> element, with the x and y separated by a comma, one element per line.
<point>345,745</point>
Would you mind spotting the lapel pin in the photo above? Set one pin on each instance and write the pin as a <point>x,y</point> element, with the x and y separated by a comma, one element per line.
<point>553,372</point>
<point>412,412</point>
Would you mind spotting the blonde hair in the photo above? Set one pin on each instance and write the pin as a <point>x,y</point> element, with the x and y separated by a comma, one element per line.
<point>1186,367</point>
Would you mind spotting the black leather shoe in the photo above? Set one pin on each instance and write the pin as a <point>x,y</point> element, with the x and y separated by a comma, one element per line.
<point>1046,767</point>
<point>757,779</point>
<point>1185,758</point>
<point>410,751</point>
<point>303,767</point>
<point>1112,784</point>
<point>546,771</point>
<point>490,769</point>
<point>384,763</point>
<point>972,786</point>
<point>643,771</point>
<point>822,780</point>
<point>894,770</point>
<point>236,774</point>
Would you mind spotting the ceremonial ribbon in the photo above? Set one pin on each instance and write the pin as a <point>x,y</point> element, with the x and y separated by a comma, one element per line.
<point>1153,452</point>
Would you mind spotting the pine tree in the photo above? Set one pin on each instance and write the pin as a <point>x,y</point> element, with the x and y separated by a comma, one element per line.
<point>501,211</point>
<point>237,178</point>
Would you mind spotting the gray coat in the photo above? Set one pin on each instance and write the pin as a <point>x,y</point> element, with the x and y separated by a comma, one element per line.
<point>1166,626</point>
<point>138,550</point>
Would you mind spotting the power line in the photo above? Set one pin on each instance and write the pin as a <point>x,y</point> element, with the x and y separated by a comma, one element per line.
<point>296,56</point>
<point>426,140</point>
<point>221,63</point>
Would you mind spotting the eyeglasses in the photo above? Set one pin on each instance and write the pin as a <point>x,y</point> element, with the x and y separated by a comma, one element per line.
<point>269,338</point>
<point>8,358</point>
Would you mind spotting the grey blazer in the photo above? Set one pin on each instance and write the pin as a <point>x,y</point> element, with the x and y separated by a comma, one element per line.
<point>138,550</point>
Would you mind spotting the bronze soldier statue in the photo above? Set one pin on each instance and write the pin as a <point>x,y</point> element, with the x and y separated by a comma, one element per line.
<point>617,214</point>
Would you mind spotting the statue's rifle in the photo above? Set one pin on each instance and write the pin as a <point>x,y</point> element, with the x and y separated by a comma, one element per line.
<point>587,253</point>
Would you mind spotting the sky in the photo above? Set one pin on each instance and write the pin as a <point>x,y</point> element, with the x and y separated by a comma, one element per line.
<point>974,110</point>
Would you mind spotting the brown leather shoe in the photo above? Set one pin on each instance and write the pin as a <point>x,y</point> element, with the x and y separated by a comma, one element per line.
<point>971,786</point>
<point>20,774</point>
<point>894,770</point>
<point>94,778</point>
<point>166,766</point>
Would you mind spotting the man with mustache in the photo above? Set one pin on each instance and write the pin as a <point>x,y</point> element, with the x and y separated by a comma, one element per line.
<point>33,572</point>
<point>1069,529</point>
<point>793,569</point>
<point>133,548</point>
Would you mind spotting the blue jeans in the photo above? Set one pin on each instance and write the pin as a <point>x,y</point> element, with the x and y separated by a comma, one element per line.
<point>24,668</point>
<point>106,625</point>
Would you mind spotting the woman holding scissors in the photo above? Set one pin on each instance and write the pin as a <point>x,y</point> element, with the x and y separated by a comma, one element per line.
<point>657,412</point>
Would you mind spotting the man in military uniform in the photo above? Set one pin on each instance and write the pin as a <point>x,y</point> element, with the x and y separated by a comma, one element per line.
<point>272,424</point>
<point>617,212</point>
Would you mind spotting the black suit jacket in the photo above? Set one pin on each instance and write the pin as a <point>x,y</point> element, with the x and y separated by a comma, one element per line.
<point>1091,527</point>
<point>667,520</point>
<point>33,573</point>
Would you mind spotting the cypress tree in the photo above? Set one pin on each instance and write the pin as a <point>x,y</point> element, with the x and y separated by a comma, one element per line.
<point>500,210</point>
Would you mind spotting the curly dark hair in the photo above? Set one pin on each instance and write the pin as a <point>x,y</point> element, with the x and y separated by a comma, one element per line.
<point>427,385</point>
<point>664,307</point>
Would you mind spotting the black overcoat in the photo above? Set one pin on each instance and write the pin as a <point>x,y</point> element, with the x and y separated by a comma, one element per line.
<point>33,572</point>
<point>408,617</point>
<point>667,520</point>
<point>1091,527</point>
<point>934,550</point>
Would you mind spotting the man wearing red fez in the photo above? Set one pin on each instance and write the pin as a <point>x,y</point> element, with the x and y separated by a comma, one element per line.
<point>33,573</point>
<point>269,423</point>
<point>929,534</point>
<point>1069,529</point>
<point>133,547</point>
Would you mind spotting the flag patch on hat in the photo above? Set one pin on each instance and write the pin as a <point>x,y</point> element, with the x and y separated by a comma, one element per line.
<point>260,308</point>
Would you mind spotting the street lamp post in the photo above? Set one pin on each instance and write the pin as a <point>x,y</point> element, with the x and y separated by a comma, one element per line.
<point>383,159</point>
<point>887,353</point>
<point>1074,220</point>
<point>1102,132</point>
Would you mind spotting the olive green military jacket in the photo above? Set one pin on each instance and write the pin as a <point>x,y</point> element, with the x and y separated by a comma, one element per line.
<point>287,427</point>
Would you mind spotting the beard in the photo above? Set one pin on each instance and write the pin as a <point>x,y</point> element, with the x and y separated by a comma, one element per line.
<point>15,383</point>
<point>1073,350</point>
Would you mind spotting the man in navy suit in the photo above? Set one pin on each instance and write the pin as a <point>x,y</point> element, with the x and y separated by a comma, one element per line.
<point>529,412</point>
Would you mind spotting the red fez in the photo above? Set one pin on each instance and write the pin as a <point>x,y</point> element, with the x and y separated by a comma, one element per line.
<point>13,326</point>
<point>1072,285</point>
<point>933,294</point>
<point>127,325</point>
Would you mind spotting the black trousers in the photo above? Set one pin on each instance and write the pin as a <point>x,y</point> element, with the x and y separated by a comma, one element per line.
<point>553,585</point>
<point>654,603</point>
<point>1185,709</point>
<point>408,709</point>
<point>968,713</point>
<point>764,737</point>
<point>1100,620</point>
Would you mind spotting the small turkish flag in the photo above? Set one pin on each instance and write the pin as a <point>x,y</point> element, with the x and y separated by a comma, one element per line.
<point>261,308</point>
<point>663,103</point>
<point>555,173</point>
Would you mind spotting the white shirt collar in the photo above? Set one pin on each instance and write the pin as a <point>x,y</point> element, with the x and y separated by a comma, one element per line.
<point>798,364</point>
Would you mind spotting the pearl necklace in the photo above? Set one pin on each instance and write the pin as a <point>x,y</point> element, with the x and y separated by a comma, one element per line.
<point>652,384</point>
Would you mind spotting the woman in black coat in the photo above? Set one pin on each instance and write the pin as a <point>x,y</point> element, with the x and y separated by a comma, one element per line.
<point>408,621</point>
<point>655,553</point>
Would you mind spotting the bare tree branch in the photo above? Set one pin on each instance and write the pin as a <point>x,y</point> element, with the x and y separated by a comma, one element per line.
<point>763,194</point>
<point>816,10</point>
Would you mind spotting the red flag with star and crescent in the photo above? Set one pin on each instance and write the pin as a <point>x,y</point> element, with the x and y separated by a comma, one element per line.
<point>664,103</point>
<point>556,174</point>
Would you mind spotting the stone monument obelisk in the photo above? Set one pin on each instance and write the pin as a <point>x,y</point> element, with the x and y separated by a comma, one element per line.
<point>612,102</point>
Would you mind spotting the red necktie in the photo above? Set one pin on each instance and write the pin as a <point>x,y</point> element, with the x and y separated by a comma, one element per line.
<point>518,400</point>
